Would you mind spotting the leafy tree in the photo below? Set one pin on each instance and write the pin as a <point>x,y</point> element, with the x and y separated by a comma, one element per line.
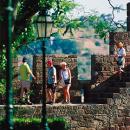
<point>24,10</point>
<point>23,30</point>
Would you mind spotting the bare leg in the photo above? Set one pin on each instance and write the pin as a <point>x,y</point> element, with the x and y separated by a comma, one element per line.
<point>21,92</point>
<point>68,93</point>
<point>65,94</point>
<point>28,94</point>
<point>54,97</point>
<point>120,72</point>
<point>49,95</point>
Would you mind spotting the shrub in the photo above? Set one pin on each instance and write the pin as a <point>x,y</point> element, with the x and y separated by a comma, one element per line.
<point>35,124</point>
<point>2,91</point>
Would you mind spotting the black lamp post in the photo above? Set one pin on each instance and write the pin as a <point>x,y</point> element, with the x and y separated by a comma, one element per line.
<point>9,91</point>
<point>128,16</point>
<point>44,28</point>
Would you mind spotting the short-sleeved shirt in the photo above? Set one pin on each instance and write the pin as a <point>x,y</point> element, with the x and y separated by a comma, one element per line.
<point>51,73</point>
<point>65,74</point>
<point>24,72</point>
<point>121,51</point>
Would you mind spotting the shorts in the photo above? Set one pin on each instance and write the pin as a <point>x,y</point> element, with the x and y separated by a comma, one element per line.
<point>122,61</point>
<point>67,85</point>
<point>52,87</point>
<point>25,84</point>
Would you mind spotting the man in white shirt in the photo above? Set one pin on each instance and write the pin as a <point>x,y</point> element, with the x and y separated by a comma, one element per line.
<point>51,82</point>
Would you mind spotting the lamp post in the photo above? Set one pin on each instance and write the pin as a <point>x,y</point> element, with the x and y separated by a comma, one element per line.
<point>9,91</point>
<point>44,27</point>
<point>128,16</point>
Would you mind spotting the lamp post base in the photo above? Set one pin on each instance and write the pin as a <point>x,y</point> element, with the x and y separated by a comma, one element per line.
<point>45,127</point>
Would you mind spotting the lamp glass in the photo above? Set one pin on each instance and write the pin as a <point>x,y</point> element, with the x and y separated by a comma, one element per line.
<point>44,26</point>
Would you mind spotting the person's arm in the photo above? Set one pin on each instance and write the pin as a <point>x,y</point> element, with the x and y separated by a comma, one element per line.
<point>60,75</point>
<point>54,74</point>
<point>123,52</point>
<point>30,72</point>
<point>69,74</point>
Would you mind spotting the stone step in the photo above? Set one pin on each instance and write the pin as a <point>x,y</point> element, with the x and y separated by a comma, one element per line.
<point>76,99</point>
<point>99,95</point>
<point>117,84</point>
<point>96,100</point>
<point>127,84</point>
<point>108,98</point>
<point>112,89</point>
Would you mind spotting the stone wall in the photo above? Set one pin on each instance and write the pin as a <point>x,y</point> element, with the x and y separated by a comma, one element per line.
<point>71,61</point>
<point>104,70</point>
<point>104,88</point>
<point>105,79</point>
<point>80,116</point>
<point>103,73</point>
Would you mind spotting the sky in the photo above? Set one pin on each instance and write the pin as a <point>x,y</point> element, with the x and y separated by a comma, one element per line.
<point>102,6</point>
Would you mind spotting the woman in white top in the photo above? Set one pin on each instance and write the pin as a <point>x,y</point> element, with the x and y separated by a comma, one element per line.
<point>65,77</point>
<point>121,53</point>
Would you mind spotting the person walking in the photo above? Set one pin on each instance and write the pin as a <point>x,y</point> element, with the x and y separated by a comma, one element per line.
<point>121,53</point>
<point>51,82</point>
<point>25,73</point>
<point>65,77</point>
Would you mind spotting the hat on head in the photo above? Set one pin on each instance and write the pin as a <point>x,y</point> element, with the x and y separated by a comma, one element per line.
<point>49,61</point>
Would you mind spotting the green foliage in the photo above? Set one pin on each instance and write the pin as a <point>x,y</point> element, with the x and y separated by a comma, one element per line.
<point>35,123</point>
<point>2,90</point>
<point>19,7</point>
<point>2,87</point>
<point>102,24</point>
<point>3,60</point>
<point>60,15</point>
<point>26,36</point>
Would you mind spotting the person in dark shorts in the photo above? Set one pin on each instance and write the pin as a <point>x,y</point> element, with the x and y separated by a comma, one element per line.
<point>65,77</point>
<point>51,82</point>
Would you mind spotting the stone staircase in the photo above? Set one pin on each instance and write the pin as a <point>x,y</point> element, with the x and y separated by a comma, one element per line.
<point>107,83</point>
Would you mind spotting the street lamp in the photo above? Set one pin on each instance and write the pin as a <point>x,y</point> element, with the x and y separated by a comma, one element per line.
<point>9,89</point>
<point>44,24</point>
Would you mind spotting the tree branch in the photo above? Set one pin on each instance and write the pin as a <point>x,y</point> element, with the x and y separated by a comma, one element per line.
<point>30,7</point>
<point>118,25</point>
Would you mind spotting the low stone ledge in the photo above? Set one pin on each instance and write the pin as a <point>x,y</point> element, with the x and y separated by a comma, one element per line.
<point>76,115</point>
<point>57,109</point>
